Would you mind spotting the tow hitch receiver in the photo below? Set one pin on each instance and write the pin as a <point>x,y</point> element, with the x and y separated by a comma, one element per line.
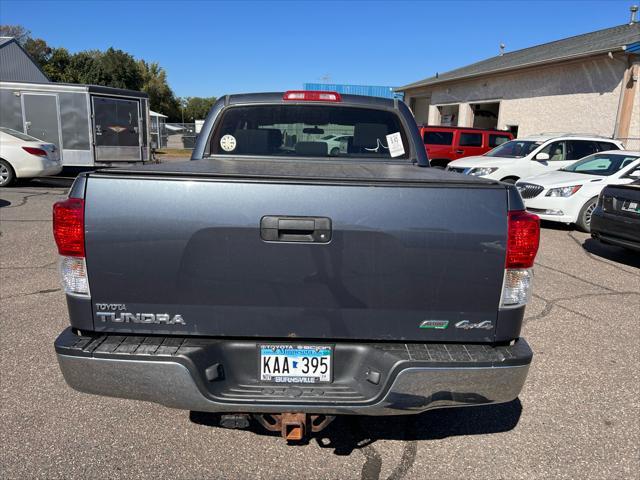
<point>293,426</point>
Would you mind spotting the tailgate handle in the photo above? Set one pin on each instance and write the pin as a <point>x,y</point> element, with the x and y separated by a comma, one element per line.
<point>275,228</point>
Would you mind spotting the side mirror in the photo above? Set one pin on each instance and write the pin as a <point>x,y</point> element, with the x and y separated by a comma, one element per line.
<point>634,174</point>
<point>542,157</point>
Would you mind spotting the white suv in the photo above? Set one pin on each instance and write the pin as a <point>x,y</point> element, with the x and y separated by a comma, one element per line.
<point>525,157</point>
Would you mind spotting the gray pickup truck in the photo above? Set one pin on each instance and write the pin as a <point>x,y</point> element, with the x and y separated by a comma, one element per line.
<point>305,263</point>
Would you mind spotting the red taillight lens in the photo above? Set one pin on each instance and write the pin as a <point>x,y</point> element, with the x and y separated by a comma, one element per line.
<point>35,151</point>
<point>68,227</point>
<point>523,239</point>
<point>312,96</point>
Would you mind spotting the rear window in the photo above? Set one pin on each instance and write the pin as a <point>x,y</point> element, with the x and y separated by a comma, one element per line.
<point>495,140</point>
<point>603,146</point>
<point>470,139</point>
<point>307,130</point>
<point>438,138</point>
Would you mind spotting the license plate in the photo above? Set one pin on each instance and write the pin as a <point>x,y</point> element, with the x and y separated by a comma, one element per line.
<point>295,363</point>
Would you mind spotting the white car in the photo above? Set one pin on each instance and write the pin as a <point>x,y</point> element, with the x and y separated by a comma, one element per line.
<point>336,144</point>
<point>570,195</point>
<point>24,156</point>
<point>525,157</point>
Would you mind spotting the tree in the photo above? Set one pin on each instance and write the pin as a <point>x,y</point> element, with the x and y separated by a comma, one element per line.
<point>81,65</point>
<point>38,50</point>
<point>197,108</point>
<point>115,68</point>
<point>154,84</point>
<point>57,66</point>
<point>20,33</point>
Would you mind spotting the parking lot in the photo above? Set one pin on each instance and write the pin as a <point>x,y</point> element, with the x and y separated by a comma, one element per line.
<point>577,417</point>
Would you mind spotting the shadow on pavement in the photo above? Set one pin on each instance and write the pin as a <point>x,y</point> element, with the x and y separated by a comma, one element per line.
<point>611,252</point>
<point>4,203</point>
<point>48,182</point>
<point>351,432</point>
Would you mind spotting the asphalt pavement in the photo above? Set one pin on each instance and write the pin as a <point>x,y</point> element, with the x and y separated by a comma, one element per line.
<point>577,417</point>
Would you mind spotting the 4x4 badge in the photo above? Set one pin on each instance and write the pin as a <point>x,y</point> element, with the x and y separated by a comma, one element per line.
<point>467,325</point>
<point>437,324</point>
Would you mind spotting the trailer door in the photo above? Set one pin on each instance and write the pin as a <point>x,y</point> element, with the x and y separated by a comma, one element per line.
<point>40,114</point>
<point>117,129</point>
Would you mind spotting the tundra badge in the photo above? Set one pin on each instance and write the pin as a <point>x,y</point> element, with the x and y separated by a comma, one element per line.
<point>126,317</point>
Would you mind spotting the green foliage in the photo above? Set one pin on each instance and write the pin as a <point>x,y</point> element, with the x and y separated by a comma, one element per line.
<point>154,83</point>
<point>57,66</point>
<point>111,68</point>
<point>38,50</point>
<point>196,108</point>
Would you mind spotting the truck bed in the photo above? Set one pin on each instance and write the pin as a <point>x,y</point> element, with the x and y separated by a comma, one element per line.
<point>300,170</point>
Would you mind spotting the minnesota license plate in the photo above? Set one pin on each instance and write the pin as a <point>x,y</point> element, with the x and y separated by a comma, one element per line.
<point>295,363</point>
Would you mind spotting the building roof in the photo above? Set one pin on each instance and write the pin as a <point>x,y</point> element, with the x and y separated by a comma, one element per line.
<point>601,41</point>
<point>17,65</point>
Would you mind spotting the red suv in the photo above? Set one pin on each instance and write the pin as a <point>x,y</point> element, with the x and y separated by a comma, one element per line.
<point>445,144</point>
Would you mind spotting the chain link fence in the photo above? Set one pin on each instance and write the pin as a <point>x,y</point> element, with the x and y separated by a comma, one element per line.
<point>177,136</point>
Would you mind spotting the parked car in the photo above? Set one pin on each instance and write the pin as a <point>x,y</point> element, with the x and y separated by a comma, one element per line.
<point>445,144</point>
<point>525,157</point>
<point>278,284</point>
<point>336,144</point>
<point>616,219</point>
<point>24,156</point>
<point>570,195</point>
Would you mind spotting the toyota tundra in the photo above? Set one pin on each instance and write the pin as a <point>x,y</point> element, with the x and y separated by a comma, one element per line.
<point>270,278</point>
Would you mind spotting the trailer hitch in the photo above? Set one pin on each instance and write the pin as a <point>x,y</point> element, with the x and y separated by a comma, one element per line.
<point>294,427</point>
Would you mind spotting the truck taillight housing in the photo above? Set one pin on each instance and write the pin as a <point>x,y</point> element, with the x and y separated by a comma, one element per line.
<point>68,231</point>
<point>523,240</point>
<point>68,227</point>
<point>312,96</point>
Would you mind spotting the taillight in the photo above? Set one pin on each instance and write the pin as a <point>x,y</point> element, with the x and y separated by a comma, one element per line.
<point>68,227</point>
<point>35,151</point>
<point>312,96</point>
<point>523,239</point>
<point>68,231</point>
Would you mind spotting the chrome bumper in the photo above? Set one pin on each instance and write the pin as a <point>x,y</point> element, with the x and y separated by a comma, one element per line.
<point>414,389</point>
<point>407,390</point>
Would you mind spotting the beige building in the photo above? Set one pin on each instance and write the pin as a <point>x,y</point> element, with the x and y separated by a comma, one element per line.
<point>582,84</point>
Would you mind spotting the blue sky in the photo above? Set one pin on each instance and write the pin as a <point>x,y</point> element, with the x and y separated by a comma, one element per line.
<point>213,48</point>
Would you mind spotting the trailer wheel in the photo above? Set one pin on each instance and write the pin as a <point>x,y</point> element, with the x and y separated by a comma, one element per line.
<point>7,175</point>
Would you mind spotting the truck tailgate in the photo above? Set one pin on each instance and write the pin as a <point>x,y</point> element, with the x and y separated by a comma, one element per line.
<point>402,255</point>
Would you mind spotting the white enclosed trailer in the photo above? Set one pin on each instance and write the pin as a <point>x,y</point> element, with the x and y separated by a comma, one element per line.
<point>91,125</point>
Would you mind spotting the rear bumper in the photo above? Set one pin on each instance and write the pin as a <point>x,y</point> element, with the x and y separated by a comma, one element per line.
<point>553,209</point>
<point>43,169</point>
<point>177,372</point>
